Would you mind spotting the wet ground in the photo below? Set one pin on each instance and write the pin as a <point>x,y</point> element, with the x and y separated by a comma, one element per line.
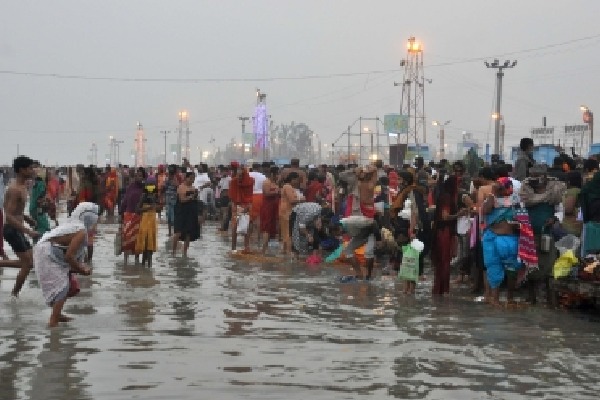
<point>211,327</point>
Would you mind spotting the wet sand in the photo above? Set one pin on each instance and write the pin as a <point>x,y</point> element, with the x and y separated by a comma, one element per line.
<point>213,327</point>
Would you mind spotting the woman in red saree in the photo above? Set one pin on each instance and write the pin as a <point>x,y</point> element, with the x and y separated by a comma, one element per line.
<point>444,233</point>
<point>130,218</point>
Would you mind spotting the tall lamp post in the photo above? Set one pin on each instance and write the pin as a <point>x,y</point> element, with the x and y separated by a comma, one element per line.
<point>114,150</point>
<point>442,142</point>
<point>588,118</point>
<point>500,67</point>
<point>184,124</point>
<point>165,133</point>
<point>243,120</point>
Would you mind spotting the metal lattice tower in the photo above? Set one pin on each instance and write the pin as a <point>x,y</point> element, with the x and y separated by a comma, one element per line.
<point>412,104</point>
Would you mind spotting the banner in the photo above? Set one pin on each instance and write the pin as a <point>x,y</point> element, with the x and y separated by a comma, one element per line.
<point>395,124</point>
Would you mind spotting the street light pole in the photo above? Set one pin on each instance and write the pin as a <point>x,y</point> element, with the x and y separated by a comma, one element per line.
<point>500,67</point>
<point>442,139</point>
<point>165,133</point>
<point>243,119</point>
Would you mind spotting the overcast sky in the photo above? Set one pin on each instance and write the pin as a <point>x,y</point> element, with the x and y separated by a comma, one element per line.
<point>56,119</point>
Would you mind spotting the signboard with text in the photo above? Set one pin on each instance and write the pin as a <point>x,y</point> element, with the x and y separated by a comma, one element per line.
<point>395,124</point>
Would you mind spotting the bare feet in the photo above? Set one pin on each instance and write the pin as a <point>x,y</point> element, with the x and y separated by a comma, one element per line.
<point>64,318</point>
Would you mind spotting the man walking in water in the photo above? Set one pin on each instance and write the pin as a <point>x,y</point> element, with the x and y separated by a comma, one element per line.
<point>15,228</point>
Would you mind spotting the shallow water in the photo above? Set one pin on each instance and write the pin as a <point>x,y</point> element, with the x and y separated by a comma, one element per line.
<point>213,327</point>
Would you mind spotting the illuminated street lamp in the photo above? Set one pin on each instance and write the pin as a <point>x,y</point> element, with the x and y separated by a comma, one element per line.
<point>588,118</point>
<point>413,46</point>
<point>442,143</point>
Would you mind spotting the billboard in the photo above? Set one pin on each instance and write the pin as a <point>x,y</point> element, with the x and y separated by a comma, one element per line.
<point>395,124</point>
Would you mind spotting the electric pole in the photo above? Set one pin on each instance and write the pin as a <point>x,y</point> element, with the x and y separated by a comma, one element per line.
<point>165,133</point>
<point>498,116</point>
<point>243,119</point>
<point>94,151</point>
<point>442,137</point>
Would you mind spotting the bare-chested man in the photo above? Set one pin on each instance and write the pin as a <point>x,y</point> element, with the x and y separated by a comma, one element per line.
<point>362,197</point>
<point>15,228</point>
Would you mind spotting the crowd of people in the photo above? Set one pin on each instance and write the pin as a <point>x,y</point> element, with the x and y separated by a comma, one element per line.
<point>490,224</point>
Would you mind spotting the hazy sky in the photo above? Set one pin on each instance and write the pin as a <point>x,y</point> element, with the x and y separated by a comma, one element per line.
<point>56,120</point>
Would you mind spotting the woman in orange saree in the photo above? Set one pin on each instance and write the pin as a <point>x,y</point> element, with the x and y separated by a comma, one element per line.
<point>111,185</point>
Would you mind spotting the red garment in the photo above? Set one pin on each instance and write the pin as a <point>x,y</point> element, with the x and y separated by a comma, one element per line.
<point>52,189</point>
<point>393,177</point>
<point>131,229</point>
<point>268,215</point>
<point>240,191</point>
<point>444,236</point>
<point>111,186</point>
<point>349,201</point>
<point>367,210</point>
<point>312,190</point>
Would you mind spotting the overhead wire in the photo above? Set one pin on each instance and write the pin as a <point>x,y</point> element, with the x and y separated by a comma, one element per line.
<point>383,76</point>
<point>285,78</point>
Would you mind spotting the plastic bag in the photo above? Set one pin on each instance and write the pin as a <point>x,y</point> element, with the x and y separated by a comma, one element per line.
<point>243,222</point>
<point>569,242</point>
<point>562,266</point>
<point>417,245</point>
<point>409,269</point>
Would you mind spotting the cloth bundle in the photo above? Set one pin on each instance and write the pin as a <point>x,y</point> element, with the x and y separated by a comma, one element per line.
<point>527,252</point>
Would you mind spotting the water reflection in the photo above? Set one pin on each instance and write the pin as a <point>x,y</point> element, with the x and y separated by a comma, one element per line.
<point>56,374</point>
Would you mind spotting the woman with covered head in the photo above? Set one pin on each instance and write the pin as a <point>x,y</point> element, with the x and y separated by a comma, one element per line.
<point>131,219</point>
<point>60,253</point>
<point>500,239</point>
